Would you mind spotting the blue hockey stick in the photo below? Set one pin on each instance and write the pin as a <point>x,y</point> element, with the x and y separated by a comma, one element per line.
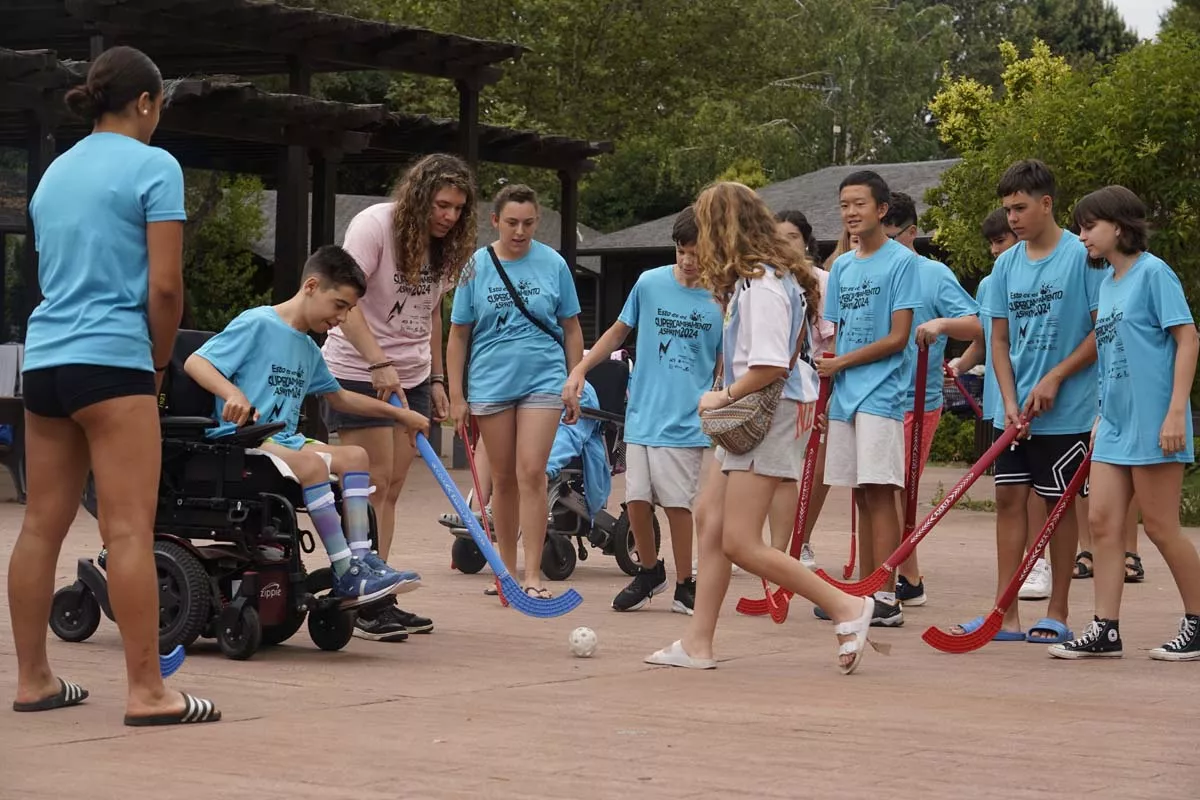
<point>513,593</point>
<point>171,662</point>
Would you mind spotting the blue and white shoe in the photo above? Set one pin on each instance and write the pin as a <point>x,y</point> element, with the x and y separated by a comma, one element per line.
<point>409,580</point>
<point>360,585</point>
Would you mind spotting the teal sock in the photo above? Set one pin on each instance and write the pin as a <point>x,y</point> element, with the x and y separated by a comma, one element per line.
<point>356,488</point>
<point>318,499</point>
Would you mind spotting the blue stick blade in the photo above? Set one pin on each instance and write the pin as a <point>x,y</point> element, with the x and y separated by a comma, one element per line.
<point>565,603</point>
<point>171,662</point>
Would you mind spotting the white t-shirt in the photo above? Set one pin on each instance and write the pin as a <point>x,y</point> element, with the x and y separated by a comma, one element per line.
<point>766,318</point>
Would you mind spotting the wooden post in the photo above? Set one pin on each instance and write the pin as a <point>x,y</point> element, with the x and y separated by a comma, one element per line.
<point>291,206</point>
<point>3,284</point>
<point>569,242</point>
<point>468,123</point>
<point>324,199</point>
<point>39,154</point>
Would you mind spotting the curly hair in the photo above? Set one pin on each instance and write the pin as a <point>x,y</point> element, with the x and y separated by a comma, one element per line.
<point>413,195</point>
<point>738,237</point>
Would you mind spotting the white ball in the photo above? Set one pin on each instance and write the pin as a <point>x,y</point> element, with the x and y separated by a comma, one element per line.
<point>583,642</point>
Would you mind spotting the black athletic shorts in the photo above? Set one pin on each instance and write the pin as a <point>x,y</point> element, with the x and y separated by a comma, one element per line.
<point>419,399</point>
<point>1047,461</point>
<point>59,392</point>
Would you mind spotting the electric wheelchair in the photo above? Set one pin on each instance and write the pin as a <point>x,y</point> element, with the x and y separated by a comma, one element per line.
<point>227,538</point>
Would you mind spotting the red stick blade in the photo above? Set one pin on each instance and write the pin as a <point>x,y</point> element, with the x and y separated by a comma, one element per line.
<point>779,607</point>
<point>848,569</point>
<point>753,606</point>
<point>967,642</point>
<point>868,585</point>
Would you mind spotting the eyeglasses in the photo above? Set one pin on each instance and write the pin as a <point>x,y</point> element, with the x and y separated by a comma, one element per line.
<point>900,232</point>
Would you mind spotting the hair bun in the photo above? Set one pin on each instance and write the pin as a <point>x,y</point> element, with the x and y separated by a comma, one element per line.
<point>85,102</point>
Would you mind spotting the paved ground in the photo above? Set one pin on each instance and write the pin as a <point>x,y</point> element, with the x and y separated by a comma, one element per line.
<point>492,705</point>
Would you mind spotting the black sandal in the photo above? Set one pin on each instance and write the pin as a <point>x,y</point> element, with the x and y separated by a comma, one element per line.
<point>69,694</point>
<point>195,710</point>
<point>1083,570</point>
<point>541,593</point>
<point>1135,572</point>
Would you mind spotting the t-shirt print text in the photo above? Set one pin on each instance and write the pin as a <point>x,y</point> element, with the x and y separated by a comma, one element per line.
<point>416,321</point>
<point>1027,306</point>
<point>499,299</point>
<point>1106,334</point>
<point>854,297</point>
<point>678,337</point>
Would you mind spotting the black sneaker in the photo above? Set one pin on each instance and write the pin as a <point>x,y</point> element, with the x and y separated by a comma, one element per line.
<point>380,626</point>
<point>646,584</point>
<point>685,597</point>
<point>413,623</point>
<point>1100,639</point>
<point>909,594</point>
<point>1185,646</point>
<point>888,614</point>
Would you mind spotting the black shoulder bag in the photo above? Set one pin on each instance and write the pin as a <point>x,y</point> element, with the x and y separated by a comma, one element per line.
<point>518,302</point>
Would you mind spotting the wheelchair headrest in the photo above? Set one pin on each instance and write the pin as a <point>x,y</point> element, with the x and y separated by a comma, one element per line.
<point>610,379</point>
<point>181,396</point>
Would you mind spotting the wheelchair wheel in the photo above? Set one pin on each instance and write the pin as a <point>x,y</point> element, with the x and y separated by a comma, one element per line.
<point>331,628</point>
<point>240,638</point>
<point>466,555</point>
<point>184,601</point>
<point>558,557</point>
<point>74,614</point>
<point>624,546</point>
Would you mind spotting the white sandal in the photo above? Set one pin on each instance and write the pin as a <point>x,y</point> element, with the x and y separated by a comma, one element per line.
<point>676,656</point>
<point>859,629</point>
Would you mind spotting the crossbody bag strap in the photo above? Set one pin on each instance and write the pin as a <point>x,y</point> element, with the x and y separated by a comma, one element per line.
<point>518,302</point>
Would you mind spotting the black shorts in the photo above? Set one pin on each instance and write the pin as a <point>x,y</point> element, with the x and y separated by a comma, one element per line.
<point>1047,461</point>
<point>59,392</point>
<point>418,399</point>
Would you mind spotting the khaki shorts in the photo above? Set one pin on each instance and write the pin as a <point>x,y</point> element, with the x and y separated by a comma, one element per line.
<point>668,476</point>
<point>867,451</point>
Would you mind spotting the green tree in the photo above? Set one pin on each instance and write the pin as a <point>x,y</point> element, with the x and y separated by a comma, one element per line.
<point>221,276</point>
<point>1131,123</point>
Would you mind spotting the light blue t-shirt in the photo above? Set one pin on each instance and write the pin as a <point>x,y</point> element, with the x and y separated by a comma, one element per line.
<point>510,357</point>
<point>863,294</point>
<point>1049,305</point>
<point>90,213</point>
<point>942,296</point>
<point>274,365</point>
<point>678,339</point>
<point>993,404</point>
<point>1137,359</point>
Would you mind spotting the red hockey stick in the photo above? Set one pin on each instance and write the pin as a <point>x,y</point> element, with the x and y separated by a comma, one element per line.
<point>962,388</point>
<point>483,517</point>
<point>777,605</point>
<point>912,485</point>
<point>878,578</point>
<point>965,643</point>
<point>848,568</point>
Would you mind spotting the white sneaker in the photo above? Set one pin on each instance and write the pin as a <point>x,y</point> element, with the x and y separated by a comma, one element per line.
<point>1037,585</point>
<point>806,556</point>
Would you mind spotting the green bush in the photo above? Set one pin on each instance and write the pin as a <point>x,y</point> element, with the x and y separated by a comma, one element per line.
<point>954,440</point>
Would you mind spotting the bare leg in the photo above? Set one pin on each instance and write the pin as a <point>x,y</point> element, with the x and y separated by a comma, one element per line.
<point>641,522</point>
<point>1083,517</point>
<point>713,570</point>
<point>1063,547</point>
<point>782,515</point>
<point>680,522</point>
<point>483,467</point>
<point>125,443</point>
<point>499,431</point>
<point>535,431</point>
<point>1112,489</point>
<point>1159,487</point>
<point>880,502</point>
<point>867,562</point>
<point>1011,521</point>
<point>1130,531</point>
<point>56,464</point>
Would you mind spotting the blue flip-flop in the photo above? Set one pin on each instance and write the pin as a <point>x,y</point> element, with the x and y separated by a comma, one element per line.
<point>1001,636</point>
<point>1061,632</point>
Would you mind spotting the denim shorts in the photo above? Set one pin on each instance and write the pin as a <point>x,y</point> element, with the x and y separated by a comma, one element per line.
<point>418,399</point>
<point>535,400</point>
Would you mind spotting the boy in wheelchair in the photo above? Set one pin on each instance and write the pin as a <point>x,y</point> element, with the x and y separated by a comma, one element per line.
<point>261,367</point>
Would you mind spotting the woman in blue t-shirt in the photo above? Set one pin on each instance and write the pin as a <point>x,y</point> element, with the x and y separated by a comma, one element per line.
<point>108,219</point>
<point>515,327</point>
<point>1146,345</point>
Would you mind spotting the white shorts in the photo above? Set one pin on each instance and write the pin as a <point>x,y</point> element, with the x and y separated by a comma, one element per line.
<point>781,452</point>
<point>866,451</point>
<point>668,476</point>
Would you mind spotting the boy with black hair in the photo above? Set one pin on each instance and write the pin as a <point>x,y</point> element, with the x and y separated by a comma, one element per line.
<point>1042,300</point>
<point>946,310</point>
<point>679,327</point>
<point>872,294</point>
<point>261,367</point>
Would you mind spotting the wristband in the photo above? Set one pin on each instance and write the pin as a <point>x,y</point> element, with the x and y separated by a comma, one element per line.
<point>729,393</point>
<point>379,366</point>
<point>163,368</point>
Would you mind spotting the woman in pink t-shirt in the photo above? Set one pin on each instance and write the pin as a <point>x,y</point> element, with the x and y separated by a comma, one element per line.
<point>412,251</point>
<point>794,227</point>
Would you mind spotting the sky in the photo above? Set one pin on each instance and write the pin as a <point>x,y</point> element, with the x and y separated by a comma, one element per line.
<point>1142,15</point>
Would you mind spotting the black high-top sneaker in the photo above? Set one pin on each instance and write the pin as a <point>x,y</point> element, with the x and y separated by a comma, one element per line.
<point>685,597</point>
<point>1100,639</point>
<point>646,584</point>
<point>1185,646</point>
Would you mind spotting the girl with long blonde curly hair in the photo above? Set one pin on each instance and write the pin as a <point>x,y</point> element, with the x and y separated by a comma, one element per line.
<point>764,284</point>
<point>413,250</point>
